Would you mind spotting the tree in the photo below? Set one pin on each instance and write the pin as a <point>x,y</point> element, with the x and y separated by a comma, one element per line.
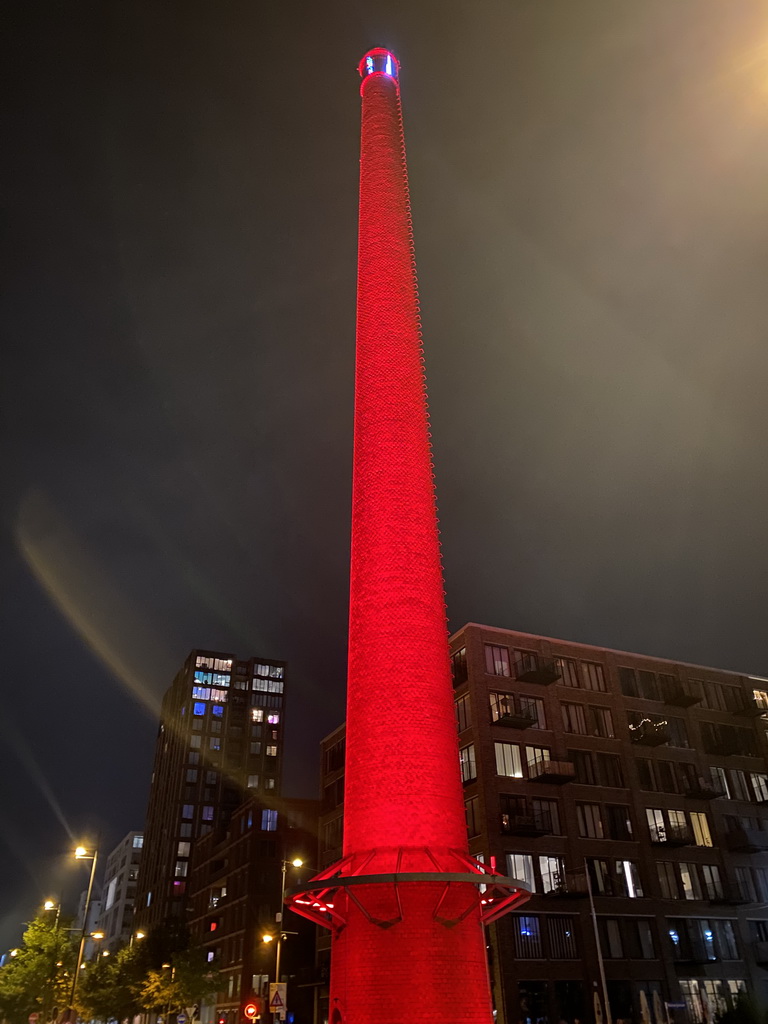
<point>111,987</point>
<point>38,978</point>
<point>188,979</point>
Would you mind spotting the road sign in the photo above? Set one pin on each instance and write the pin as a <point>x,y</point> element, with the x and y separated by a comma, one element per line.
<point>181,1018</point>
<point>277,998</point>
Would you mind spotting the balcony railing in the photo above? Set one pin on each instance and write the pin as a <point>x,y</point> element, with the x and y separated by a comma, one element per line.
<point>553,772</point>
<point>672,835</point>
<point>532,825</point>
<point>649,734</point>
<point>677,696</point>
<point>533,669</point>
<point>746,840</point>
<point>750,709</point>
<point>702,789</point>
<point>726,896</point>
<point>570,885</point>
<point>517,713</point>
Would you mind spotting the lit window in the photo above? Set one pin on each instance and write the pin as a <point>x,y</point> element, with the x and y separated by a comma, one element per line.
<point>268,821</point>
<point>183,850</point>
<point>138,842</point>
<point>496,660</point>
<point>219,679</point>
<point>269,784</point>
<point>271,750</point>
<point>508,761</point>
<point>210,956</point>
<point>215,743</point>
<point>253,782</point>
<point>257,715</point>
<point>187,811</point>
<point>198,708</point>
<point>217,711</point>
<point>201,692</point>
<point>219,695</point>
<point>207,814</point>
<point>272,719</point>
<point>182,867</point>
<point>701,833</point>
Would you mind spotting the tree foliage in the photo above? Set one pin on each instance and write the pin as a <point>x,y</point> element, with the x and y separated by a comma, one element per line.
<point>188,979</point>
<point>38,978</point>
<point>111,987</point>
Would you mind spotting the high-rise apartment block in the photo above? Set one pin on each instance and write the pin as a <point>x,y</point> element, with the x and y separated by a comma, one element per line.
<point>119,891</point>
<point>235,884</point>
<point>630,794</point>
<point>219,741</point>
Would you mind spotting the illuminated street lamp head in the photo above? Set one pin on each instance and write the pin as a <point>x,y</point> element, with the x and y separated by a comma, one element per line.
<point>297,862</point>
<point>141,935</point>
<point>49,905</point>
<point>14,952</point>
<point>97,935</point>
<point>80,852</point>
<point>379,62</point>
<point>267,937</point>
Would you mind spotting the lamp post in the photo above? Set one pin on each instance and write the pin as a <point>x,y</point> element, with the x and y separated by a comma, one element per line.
<point>82,854</point>
<point>295,863</point>
<point>50,991</point>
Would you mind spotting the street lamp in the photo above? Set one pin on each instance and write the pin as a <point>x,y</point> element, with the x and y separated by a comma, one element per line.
<point>138,936</point>
<point>82,854</point>
<point>295,863</point>
<point>50,991</point>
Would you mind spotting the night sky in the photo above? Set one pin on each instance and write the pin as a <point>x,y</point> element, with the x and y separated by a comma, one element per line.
<point>179,186</point>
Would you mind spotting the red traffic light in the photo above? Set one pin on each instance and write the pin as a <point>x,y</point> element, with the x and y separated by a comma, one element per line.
<point>223,1018</point>
<point>251,1009</point>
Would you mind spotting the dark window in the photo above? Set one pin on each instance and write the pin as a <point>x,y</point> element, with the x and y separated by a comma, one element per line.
<point>472,810</point>
<point>463,715</point>
<point>459,666</point>
<point>609,766</point>
<point>648,686</point>
<point>585,770</point>
<point>562,938</point>
<point>618,821</point>
<point>628,682</point>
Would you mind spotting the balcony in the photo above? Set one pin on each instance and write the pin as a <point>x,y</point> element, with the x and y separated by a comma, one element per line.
<point>726,896</point>
<point>572,885</point>
<point>533,825</point>
<point>554,773</point>
<point>530,669</point>
<point>672,835</point>
<point>760,952</point>
<point>694,956</point>
<point>750,709</point>
<point>746,840</point>
<point>678,697</point>
<point>517,714</point>
<point>702,789</point>
<point>724,746</point>
<point>649,734</point>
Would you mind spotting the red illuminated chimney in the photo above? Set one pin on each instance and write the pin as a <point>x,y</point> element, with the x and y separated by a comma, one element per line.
<point>403,903</point>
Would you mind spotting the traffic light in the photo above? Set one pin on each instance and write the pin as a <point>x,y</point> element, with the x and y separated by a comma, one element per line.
<point>252,1008</point>
<point>223,1018</point>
